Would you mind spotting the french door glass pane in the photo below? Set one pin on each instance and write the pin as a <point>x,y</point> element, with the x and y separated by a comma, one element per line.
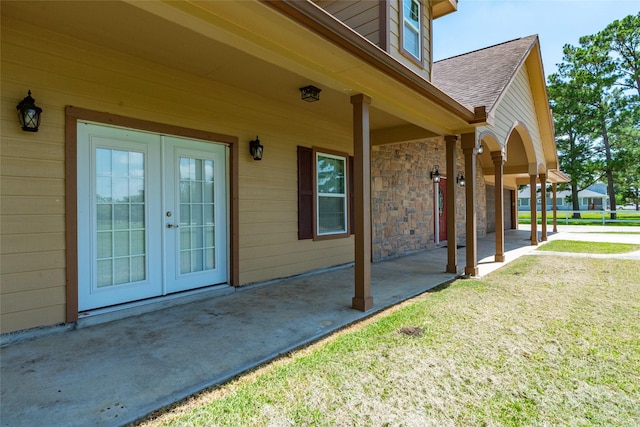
<point>197,195</point>
<point>120,207</point>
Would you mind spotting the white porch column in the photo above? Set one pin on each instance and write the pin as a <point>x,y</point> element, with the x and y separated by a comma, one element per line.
<point>362,299</point>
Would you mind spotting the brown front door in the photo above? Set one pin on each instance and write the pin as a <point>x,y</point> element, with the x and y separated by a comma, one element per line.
<point>442,208</point>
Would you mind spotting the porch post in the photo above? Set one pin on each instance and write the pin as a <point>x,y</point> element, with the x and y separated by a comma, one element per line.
<point>498,163</point>
<point>534,213</point>
<point>452,236</point>
<point>543,204</point>
<point>469,150</point>
<point>362,299</point>
<point>555,207</point>
<point>514,209</point>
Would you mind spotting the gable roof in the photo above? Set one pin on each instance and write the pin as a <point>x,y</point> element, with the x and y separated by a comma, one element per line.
<point>480,77</point>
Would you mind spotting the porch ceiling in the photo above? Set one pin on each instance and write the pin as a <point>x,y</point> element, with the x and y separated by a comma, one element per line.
<point>178,43</point>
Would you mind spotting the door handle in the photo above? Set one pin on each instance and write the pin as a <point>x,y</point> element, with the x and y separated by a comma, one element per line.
<point>173,226</point>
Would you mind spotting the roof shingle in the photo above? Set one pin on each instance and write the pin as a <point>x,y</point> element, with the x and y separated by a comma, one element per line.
<point>478,78</point>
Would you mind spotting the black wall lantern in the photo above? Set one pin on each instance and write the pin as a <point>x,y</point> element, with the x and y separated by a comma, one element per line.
<point>310,93</point>
<point>29,114</point>
<point>256,149</point>
<point>435,173</point>
<point>460,179</point>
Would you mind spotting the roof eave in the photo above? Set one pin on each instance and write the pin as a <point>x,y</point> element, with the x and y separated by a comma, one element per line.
<point>322,23</point>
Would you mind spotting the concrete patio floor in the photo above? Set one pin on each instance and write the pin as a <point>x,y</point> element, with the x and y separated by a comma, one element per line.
<point>116,372</point>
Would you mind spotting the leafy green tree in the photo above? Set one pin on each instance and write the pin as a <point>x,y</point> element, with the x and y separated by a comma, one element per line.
<point>622,39</point>
<point>572,134</point>
<point>601,77</point>
<point>627,165</point>
<point>591,68</point>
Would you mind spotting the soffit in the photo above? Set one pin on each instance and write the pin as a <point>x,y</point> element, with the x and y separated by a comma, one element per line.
<point>219,41</point>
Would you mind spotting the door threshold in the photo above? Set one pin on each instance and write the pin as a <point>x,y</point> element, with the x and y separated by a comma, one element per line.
<point>109,314</point>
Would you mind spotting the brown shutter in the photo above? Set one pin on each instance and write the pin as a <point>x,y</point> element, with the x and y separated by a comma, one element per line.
<point>352,198</point>
<point>305,193</point>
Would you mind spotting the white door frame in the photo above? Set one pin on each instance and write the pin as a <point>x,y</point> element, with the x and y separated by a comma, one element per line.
<point>152,146</point>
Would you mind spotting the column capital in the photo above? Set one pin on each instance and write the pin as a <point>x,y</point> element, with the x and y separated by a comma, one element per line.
<point>498,157</point>
<point>451,139</point>
<point>468,142</point>
<point>360,99</point>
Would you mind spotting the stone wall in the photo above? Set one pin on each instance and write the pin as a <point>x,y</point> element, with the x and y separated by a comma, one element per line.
<point>403,197</point>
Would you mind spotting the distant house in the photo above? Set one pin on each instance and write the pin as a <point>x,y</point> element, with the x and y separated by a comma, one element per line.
<point>587,200</point>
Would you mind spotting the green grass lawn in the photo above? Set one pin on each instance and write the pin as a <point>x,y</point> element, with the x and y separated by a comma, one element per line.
<point>546,340</point>
<point>588,247</point>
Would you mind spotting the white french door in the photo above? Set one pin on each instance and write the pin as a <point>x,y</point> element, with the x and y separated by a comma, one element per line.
<point>195,214</point>
<point>152,215</point>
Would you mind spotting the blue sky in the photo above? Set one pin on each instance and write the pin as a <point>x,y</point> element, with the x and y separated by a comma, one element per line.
<point>482,23</point>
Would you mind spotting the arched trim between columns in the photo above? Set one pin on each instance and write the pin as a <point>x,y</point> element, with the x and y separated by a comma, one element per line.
<point>491,141</point>
<point>527,142</point>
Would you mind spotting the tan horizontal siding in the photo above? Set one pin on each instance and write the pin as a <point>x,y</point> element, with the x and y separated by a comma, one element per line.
<point>26,167</point>
<point>27,223</point>
<point>26,300</point>
<point>517,105</point>
<point>363,16</point>
<point>258,265</point>
<point>45,205</point>
<point>32,318</point>
<point>62,71</point>
<point>394,28</point>
<point>31,280</point>
<point>24,243</point>
<point>16,186</point>
<point>395,20</point>
<point>371,31</point>
<point>334,6</point>
<point>255,253</point>
<point>252,229</point>
<point>258,240</point>
<point>21,148</point>
<point>32,261</point>
<point>256,194</point>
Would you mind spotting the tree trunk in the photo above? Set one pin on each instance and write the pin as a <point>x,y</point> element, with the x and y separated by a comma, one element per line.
<point>574,200</point>
<point>609,170</point>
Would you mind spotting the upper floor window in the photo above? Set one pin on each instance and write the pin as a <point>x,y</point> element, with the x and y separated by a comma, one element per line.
<point>412,28</point>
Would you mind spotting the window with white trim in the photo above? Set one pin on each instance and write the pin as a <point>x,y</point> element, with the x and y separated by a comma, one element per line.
<point>331,194</point>
<point>412,28</point>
